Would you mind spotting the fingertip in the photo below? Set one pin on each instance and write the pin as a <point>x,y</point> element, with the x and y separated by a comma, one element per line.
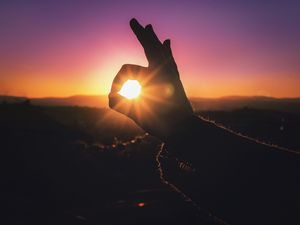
<point>167,43</point>
<point>135,25</point>
<point>132,22</point>
<point>112,100</point>
<point>149,27</point>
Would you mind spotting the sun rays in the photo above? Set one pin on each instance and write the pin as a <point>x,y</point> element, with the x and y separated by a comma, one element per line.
<point>131,89</point>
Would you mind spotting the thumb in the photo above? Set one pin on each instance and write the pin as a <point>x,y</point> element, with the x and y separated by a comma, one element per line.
<point>122,105</point>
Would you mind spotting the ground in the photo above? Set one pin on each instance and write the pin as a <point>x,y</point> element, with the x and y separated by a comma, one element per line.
<point>80,165</point>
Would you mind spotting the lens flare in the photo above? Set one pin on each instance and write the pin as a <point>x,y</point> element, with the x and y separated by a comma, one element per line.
<point>131,89</point>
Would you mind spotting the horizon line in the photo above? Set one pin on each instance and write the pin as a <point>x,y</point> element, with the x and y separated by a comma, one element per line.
<point>189,97</point>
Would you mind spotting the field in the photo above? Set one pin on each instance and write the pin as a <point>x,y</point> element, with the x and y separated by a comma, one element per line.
<point>83,165</point>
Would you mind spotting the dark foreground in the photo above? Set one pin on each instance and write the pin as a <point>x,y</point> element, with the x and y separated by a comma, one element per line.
<point>71,165</point>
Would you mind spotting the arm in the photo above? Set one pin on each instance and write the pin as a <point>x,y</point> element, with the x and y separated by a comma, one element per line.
<point>240,180</point>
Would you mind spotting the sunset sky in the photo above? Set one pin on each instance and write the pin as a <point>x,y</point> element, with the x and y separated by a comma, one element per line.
<point>222,47</point>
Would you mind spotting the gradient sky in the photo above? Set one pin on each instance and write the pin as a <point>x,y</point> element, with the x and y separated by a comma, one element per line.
<point>222,47</point>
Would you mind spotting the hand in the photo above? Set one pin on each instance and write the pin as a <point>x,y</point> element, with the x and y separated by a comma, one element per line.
<point>163,104</point>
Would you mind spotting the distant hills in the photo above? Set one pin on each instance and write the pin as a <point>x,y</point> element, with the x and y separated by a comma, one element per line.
<point>199,104</point>
<point>76,100</point>
<point>256,102</point>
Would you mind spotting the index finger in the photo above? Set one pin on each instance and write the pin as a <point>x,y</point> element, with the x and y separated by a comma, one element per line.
<point>139,31</point>
<point>148,39</point>
<point>127,71</point>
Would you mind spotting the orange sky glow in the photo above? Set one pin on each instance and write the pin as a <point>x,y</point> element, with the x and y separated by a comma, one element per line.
<point>221,50</point>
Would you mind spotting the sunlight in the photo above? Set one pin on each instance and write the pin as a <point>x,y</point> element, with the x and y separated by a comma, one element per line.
<point>131,89</point>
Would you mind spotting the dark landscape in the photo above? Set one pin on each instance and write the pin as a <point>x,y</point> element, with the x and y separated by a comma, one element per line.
<point>84,165</point>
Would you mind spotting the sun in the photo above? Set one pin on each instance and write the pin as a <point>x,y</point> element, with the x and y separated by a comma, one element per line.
<point>131,89</point>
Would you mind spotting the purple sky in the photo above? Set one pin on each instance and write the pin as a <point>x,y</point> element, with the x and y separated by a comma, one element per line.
<point>61,48</point>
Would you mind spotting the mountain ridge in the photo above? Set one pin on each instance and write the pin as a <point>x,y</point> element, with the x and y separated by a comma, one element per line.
<point>199,103</point>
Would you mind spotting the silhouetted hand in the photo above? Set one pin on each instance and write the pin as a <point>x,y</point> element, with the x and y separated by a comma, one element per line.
<point>163,104</point>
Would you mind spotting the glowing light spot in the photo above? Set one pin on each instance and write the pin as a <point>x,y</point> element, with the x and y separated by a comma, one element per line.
<point>169,90</point>
<point>141,204</point>
<point>131,89</point>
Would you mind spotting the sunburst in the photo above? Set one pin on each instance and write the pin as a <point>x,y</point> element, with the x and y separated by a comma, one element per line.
<point>131,89</point>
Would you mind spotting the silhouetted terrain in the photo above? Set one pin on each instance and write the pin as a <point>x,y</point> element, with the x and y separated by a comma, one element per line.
<point>78,100</point>
<point>270,126</point>
<point>80,165</point>
<point>199,104</point>
<point>237,102</point>
<point>70,165</point>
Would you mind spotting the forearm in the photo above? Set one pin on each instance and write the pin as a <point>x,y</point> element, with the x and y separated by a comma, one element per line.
<point>233,174</point>
<point>206,145</point>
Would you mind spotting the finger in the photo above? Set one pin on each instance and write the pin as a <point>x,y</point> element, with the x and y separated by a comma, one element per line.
<point>122,105</point>
<point>141,35</point>
<point>139,31</point>
<point>148,39</point>
<point>155,53</point>
<point>152,36</point>
<point>118,102</point>
<point>169,55</point>
<point>167,49</point>
<point>127,71</point>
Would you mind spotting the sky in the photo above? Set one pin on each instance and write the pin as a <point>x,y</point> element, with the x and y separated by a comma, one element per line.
<point>63,48</point>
